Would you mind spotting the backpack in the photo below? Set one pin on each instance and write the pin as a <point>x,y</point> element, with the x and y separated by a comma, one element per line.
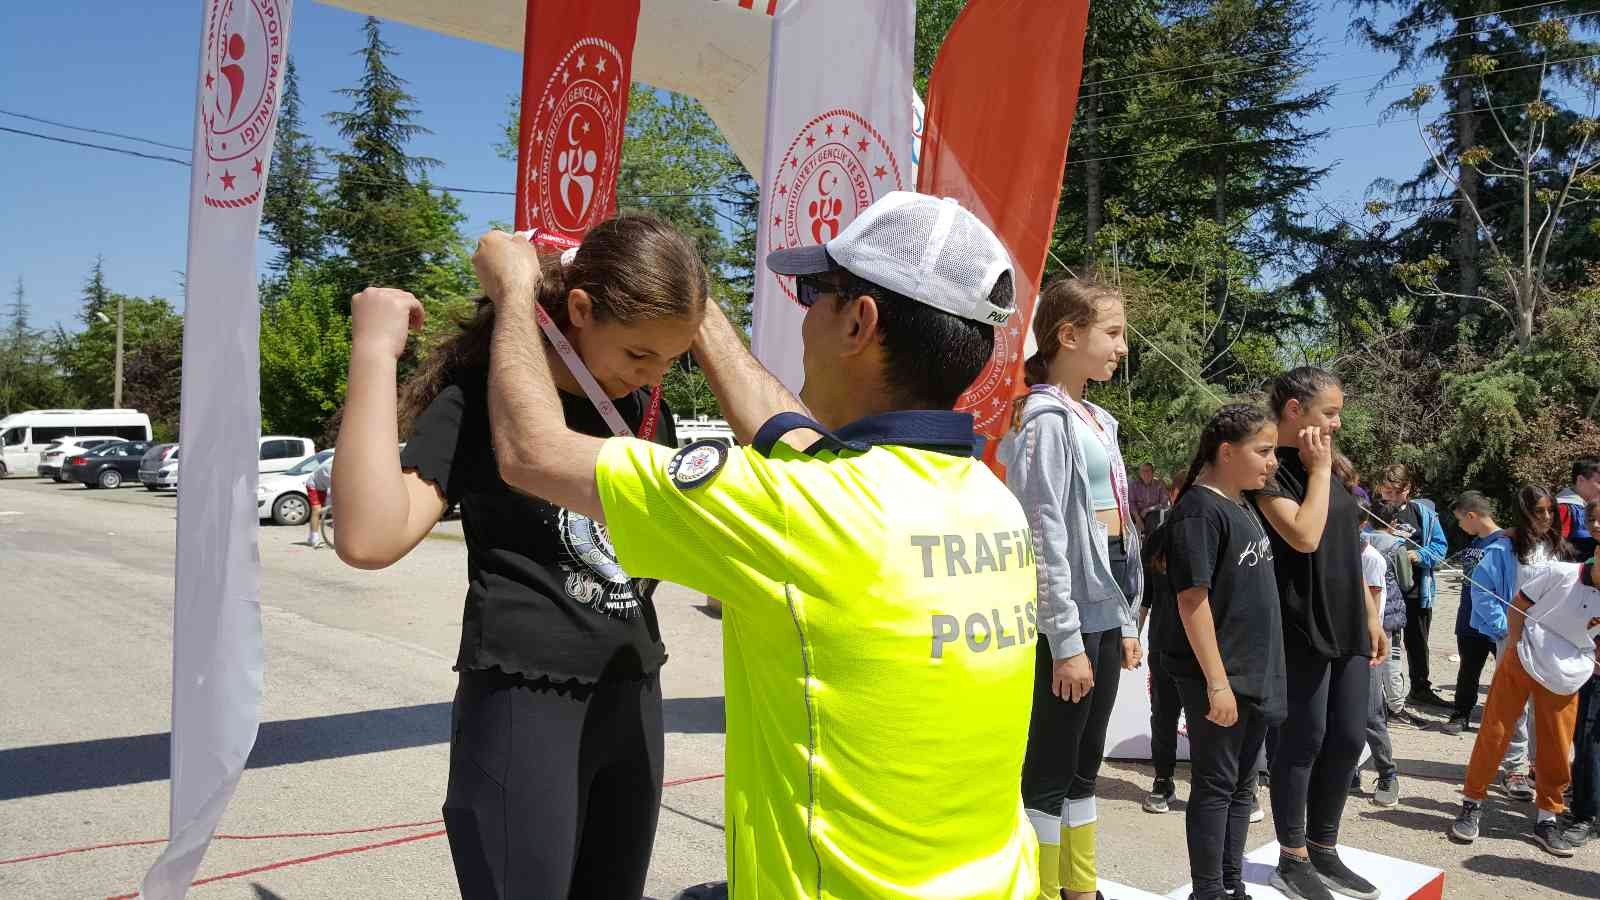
<point>1395,562</point>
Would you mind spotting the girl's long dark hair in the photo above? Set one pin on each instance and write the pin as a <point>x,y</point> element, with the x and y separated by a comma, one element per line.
<point>1302,384</point>
<point>1230,425</point>
<point>635,268</point>
<point>1528,536</point>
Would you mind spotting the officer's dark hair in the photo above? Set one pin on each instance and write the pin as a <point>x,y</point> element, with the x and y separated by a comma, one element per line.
<point>1585,468</point>
<point>1302,384</point>
<point>930,356</point>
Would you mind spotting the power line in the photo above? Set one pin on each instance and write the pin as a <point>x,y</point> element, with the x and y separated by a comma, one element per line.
<point>115,134</point>
<point>320,176</point>
<point>123,151</point>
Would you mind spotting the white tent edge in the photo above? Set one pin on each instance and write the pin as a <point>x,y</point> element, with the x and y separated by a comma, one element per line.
<point>715,51</point>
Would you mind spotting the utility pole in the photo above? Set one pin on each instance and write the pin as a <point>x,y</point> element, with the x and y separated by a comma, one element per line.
<point>116,390</point>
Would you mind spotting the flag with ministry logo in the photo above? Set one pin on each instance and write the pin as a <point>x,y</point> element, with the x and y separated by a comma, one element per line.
<point>217,657</point>
<point>995,138</point>
<point>577,61</point>
<point>839,136</point>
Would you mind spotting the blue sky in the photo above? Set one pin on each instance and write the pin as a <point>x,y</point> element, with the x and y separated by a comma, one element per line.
<point>130,67</point>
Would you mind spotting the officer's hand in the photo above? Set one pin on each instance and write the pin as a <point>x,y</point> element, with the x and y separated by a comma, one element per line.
<point>507,266</point>
<point>1132,653</point>
<point>1072,678</point>
<point>1380,646</point>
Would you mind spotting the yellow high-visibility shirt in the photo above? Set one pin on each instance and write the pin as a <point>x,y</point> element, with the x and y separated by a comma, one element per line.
<point>878,633</point>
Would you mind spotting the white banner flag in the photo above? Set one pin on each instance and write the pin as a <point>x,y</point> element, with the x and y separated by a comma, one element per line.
<point>839,136</point>
<point>216,630</point>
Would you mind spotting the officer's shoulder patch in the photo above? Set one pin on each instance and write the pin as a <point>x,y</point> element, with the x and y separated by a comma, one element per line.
<point>695,464</point>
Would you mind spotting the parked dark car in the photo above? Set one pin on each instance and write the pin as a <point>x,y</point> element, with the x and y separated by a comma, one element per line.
<point>107,466</point>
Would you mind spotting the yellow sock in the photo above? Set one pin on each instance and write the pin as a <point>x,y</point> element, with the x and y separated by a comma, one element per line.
<point>1049,871</point>
<point>1078,870</point>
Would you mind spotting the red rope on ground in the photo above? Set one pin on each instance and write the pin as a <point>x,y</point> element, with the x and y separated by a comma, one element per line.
<point>301,859</point>
<point>295,834</point>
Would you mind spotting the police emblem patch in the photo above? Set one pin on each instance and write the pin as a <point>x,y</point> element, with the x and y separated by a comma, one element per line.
<point>695,464</point>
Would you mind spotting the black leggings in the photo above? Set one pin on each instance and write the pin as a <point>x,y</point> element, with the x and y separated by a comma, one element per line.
<point>1317,747</point>
<point>1066,740</point>
<point>1165,705</point>
<point>554,790</point>
<point>1223,784</point>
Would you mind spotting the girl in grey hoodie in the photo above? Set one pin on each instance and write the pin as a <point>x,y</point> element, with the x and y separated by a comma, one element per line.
<point>1063,463</point>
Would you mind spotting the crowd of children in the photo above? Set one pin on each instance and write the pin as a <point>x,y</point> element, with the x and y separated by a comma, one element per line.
<point>1288,607</point>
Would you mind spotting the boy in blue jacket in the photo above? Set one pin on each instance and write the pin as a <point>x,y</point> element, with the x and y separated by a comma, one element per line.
<point>1490,573</point>
<point>1416,521</point>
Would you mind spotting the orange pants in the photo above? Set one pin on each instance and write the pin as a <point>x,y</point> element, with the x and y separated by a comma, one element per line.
<point>1555,717</point>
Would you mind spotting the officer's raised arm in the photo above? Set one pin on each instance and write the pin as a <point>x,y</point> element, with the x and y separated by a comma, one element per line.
<point>750,394</point>
<point>534,449</point>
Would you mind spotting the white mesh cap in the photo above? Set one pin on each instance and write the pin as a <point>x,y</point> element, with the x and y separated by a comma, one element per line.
<point>922,247</point>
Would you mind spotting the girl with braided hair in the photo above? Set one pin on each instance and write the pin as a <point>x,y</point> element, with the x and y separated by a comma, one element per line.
<point>1227,656</point>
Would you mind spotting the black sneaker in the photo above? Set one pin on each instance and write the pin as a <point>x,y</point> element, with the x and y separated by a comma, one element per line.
<point>1547,834</point>
<point>1456,725</point>
<point>1296,877</point>
<point>1387,793</point>
<point>1256,815</point>
<point>1161,794</point>
<point>1577,832</point>
<point>1355,783</point>
<point>1408,718</point>
<point>711,890</point>
<point>1465,829</point>
<point>1338,876</point>
<point>1427,697</point>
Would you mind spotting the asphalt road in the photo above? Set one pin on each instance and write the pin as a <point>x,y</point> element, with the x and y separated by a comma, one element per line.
<point>356,719</point>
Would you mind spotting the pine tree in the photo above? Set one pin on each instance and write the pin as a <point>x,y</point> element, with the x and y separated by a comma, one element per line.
<point>391,228</point>
<point>18,327</point>
<point>290,212</point>
<point>1230,136</point>
<point>97,298</point>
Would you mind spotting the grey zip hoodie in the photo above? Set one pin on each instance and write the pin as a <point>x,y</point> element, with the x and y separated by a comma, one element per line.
<point>1078,595</point>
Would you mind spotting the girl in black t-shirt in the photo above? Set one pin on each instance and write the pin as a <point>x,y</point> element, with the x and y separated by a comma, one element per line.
<point>1226,655</point>
<point>556,738</point>
<point>1332,636</point>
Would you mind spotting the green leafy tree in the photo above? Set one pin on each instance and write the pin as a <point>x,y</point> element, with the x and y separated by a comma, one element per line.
<point>88,357</point>
<point>305,355</point>
<point>152,381</point>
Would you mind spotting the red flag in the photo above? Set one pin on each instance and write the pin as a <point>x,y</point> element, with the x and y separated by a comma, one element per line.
<point>1000,105</point>
<point>577,62</point>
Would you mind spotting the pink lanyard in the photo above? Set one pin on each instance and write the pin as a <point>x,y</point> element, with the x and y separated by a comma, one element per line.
<point>1119,476</point>
<point>569,355</point>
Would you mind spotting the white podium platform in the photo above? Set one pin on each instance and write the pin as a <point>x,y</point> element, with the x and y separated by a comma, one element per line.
<point>1396,878</point>
<point>1114,891</point>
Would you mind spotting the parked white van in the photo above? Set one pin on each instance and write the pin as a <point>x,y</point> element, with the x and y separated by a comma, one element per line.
<point>24,435</point>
